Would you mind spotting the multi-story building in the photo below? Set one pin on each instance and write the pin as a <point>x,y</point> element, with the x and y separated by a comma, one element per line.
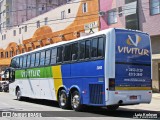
<point>15,12</point>
<point>143,15</point>
<point>66,22</point>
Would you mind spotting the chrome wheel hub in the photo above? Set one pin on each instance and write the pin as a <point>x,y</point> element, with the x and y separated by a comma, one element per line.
<point>75,101</point>
<point>63,99</point>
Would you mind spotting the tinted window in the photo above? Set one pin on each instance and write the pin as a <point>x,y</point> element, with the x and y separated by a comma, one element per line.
<point>94,47</point>
<point>74,54</point>
<point>67,53</point>
<point>82,50</point>
<point>32,59</point>
<point>17,62</point>
<point>28,60</point>
<point>13,63</point>
<point>37,59</point>
<point>47,61</point>
<point>59,54</point>
<point>24,61</point>
<point>100,47</point>
<point>53,55</point>
<point>87,49</point>
<point>21,62</point>
<point>42,58</point>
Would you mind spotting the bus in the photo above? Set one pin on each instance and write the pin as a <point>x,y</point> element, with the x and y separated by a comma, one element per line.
<point>109,68</point>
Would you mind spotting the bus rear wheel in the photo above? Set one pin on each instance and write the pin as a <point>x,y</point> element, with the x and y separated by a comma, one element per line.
<point>112,107</point>
<point>63,100</point>
<point>75,101</point>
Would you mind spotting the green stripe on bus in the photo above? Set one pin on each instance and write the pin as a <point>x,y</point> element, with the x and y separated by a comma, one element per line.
<point>44,72</point>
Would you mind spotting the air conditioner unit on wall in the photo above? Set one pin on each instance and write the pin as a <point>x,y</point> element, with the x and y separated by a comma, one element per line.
<point>101,13</point>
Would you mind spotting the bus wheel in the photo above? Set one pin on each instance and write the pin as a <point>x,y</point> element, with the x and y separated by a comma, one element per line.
<point>18,94</point>
<point>112,107</point>
<point>63,99</point>
<point>75,101</point>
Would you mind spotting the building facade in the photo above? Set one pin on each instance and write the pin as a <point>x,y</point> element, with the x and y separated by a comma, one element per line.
<point>143,15</point>
<point>15,12</point>
<point>66,22</point>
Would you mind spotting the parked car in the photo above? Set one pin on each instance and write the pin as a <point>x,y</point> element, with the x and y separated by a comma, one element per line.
<point>6,86</point>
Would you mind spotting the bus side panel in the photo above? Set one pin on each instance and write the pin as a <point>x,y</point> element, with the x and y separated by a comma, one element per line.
<point>87,76</point>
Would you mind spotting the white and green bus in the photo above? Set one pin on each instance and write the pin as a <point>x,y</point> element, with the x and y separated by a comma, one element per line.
<point>109,68</point>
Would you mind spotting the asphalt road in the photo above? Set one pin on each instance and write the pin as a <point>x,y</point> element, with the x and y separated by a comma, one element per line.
<point>48,109</point>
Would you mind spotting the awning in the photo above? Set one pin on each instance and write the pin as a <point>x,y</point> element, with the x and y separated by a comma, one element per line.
<point>155,56</point>
<point>4,62</point>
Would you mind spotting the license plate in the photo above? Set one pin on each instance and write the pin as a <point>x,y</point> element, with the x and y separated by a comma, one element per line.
<point>133,97</point>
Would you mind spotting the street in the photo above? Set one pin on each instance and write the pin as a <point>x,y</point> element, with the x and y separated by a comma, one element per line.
<point>8,102</point>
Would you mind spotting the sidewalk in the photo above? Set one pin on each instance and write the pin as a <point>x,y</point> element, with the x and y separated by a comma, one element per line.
<point>156,95</point>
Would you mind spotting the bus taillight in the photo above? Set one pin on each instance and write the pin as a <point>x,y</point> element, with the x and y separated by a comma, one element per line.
<point>111,84</point>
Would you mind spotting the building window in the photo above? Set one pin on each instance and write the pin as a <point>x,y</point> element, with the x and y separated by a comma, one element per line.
<point>112,16</point>
<point>46,21</point>
<point>62,14</point>
<point>38,46</point>
<point>23,50</point>
<point>132,22</point>
<point>19,30</point>
<point>1,54</point>
<point>129,1</point>
<point>14,32</point>
<point>69,10</point>
<point>17,52</point>
<point>154,7</point>
<point>11,53</point>
<point>29,49</point>
<point>84,7</point>
<point>38,24</point>
<point>6,54</point>
<point>4,24</point>
<point>25,28</point>
<point>4,36</point>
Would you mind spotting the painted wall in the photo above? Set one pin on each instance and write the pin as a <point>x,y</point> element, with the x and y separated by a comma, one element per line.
<point>148,23</point>
<point>106,5</point>
<point>56,30</point>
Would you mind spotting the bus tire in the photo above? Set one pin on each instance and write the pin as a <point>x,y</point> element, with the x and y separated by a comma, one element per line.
<point>63,100</point>
<point>18,94</point>
<point>76,101</point>
<point>112,107</point>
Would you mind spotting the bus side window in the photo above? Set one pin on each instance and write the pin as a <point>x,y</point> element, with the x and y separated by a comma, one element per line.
<point>17,62</point>
<point>74,54</point>
<point>48,55</point>
<point>81,50</point>
<point>21,62</point>
<point>28,60</point>
<point>53,55</point>
<point>37,59</point>
<point>87,49</point>
<point>42,58</point>
<point>59,54</point>
<point>100,47</point>
<point>13,63</point>
<point>94,48</point>
<point>24,61</point>
<point>67,53</point>
<point>32,60</point>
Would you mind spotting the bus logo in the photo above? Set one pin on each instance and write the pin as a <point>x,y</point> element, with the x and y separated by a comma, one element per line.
<point>130,41</point>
